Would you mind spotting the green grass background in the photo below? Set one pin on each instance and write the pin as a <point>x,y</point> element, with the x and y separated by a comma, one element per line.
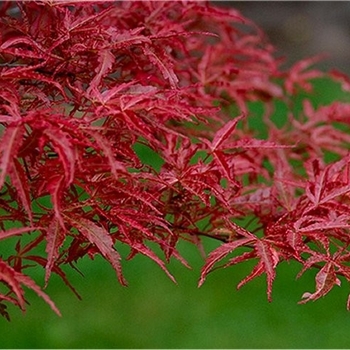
<point>153,312</point>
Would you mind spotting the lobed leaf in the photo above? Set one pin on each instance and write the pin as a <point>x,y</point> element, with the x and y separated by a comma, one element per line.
<point>54,240</point>
<point>163,63</point>
<point>224,133</point>
<point>17,231</point>
<point>269,258</point>
<point>31,284</point>
<point>325,281</point>
<point>220,253</point>
<point>14,280</point>
<point>8,276</point>
<point>65,149</point>
<point>98,236</point>
<point>105,60</point>
<point>10,144</point>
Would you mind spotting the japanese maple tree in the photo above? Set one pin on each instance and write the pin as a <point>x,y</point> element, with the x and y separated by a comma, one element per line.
<point>85,86</point>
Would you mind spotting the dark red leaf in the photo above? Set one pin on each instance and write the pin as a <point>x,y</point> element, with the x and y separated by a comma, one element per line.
<point>19,181</point>
<point>54,240</point>
<point>102,240</point>
<point>10,144</point>
<point>224,133</point>
<point>9,276</point>
<point>163,63</point>
<point>31,284</point>
<point>220,253</point>
<point>17,231</point>
<point>257,271</point>
<point>269,259</point>
<point>325,281</point>
<point>13,279</point>
<point>65,149</point>
<point>105,60</point>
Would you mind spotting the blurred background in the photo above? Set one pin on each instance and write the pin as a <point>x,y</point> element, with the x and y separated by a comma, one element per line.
<point>299,29</point>
<point>153,312</point>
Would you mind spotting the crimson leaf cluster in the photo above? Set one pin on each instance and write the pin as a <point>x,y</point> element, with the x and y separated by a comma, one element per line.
<point>85,86</point>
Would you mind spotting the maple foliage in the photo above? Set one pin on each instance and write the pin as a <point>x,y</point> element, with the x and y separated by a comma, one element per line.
<point>84,86</point>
